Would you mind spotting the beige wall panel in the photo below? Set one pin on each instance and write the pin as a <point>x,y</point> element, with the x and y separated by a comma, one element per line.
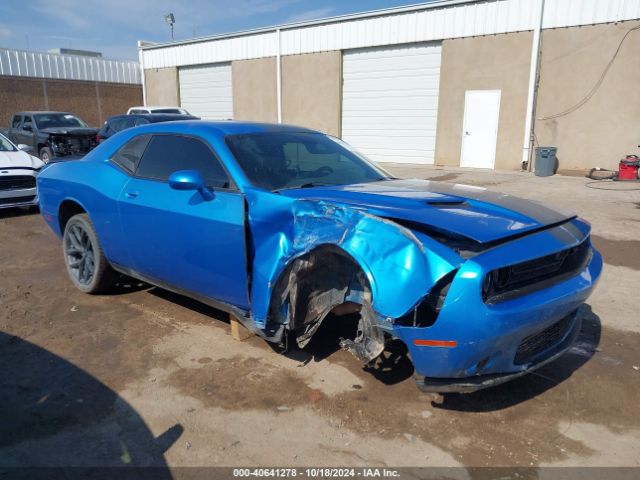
<point>162,86</point>
<point>497,62</point>
<point>311,90</point>
<point>254,90</point>
<point>606,127</point>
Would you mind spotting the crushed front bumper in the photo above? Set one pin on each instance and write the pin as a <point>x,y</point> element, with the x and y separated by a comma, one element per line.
<point>474,345</point>
<point>478,382</point>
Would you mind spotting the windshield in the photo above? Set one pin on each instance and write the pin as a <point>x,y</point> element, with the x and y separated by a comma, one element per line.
<point>6,145</point>
<point>49,120</point>
<point>275,160</point>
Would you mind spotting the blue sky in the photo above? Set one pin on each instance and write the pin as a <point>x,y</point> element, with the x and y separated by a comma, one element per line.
<point>114,26</point>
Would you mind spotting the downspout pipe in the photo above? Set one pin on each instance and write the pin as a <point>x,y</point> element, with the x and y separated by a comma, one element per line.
<point>144,86</point>
<point>533,87</point>
<point>278,77</point>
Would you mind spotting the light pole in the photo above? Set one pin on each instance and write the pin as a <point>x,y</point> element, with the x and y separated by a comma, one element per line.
<point>170,20</point>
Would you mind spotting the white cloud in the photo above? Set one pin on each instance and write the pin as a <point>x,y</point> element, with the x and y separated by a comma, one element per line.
<point>311,14</point>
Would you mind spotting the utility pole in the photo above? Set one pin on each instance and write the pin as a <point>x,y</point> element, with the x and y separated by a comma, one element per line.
<point>170,20</point>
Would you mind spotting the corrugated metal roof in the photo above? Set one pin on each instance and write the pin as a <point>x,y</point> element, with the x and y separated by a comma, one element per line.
<point>416,23</point>
<point>22,63</point>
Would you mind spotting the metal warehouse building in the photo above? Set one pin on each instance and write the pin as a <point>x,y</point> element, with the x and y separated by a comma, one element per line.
<point>468,83</point>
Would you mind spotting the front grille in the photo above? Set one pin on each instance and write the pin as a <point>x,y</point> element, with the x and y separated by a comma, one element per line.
<point>526,277</point>
<point>541,341</point>
<point>12,200</point>
<point>17,182</point>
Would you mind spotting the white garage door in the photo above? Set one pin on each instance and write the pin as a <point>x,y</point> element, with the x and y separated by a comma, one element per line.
<point>205,91</point>
<point>390,102</point>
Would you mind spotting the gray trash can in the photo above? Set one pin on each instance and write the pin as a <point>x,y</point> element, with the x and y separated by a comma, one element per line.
<point>546,161</point>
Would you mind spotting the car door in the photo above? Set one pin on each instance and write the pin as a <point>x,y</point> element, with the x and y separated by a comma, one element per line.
<point>14,130</point>
<point>189,240</point>
<point>26,132</point>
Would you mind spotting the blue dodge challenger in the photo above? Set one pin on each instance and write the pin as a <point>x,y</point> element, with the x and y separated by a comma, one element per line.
<point>281,226</point>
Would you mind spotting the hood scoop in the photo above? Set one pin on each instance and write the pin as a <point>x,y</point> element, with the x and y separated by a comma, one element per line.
<point>447,203</point>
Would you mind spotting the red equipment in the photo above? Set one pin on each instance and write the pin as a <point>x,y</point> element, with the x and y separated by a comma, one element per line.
<point>628,168</point>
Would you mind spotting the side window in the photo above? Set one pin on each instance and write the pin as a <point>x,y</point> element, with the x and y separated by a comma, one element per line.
<point>16,121</point>
<point>129,155</point>
<point>169,153</point>
<point>27,121</point>
<point>141,121</point>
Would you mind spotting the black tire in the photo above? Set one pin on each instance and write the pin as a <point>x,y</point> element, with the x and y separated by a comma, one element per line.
<point>45,154</point>
<point>86,264</point>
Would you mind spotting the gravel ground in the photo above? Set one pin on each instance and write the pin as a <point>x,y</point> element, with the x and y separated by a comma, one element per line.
<point>145,377</point>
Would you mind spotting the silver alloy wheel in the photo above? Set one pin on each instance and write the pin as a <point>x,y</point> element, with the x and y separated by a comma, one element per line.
<point>79,254</point>
<point>45,157</point>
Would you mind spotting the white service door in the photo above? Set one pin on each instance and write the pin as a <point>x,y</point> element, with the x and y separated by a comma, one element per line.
<point>205,91</point>
<point>480,128</point>
<point>390,102</point>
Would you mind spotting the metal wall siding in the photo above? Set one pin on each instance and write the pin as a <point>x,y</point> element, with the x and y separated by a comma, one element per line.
<point>67,67</point>
<point>414,25</point>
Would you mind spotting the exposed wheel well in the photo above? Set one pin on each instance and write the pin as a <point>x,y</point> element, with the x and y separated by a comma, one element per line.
<point>68,209</point>
<point>324,280</point>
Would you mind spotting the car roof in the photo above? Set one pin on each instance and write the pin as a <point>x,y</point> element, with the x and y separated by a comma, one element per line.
<point>150,107</point>
<point>156,117</point>
<point>37,112</point>
<point>223,127</point>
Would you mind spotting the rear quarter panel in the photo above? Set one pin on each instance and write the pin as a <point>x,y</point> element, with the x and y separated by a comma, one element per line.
<point>95,185</point>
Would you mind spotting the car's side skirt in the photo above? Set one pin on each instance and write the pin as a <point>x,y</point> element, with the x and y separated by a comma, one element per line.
<point>243,316</point>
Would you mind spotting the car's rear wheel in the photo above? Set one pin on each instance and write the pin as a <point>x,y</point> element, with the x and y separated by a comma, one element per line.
<point>87,266</point>
<point>45,154</point>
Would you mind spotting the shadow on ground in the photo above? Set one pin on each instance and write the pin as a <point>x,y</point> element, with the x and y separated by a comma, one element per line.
<point>18,212</point>
<point>529,386</point>
<point>54,414</point>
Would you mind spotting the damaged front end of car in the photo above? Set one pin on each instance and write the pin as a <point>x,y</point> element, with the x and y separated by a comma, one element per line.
<point>426,288</point>
<point>313,258</point>
<point>71,143</point>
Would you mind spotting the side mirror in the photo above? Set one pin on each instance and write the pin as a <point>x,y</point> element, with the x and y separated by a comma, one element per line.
<point>186,180</point>
<point>24,148</point>
<point>27,127</point>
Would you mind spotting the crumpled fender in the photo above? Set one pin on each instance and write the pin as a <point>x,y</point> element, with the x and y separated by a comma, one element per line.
<point>399,269</point>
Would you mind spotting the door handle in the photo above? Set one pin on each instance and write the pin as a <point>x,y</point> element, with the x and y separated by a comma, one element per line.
<point>131,194</point>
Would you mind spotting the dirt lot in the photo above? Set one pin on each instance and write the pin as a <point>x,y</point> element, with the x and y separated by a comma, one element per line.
<point>144,377</point>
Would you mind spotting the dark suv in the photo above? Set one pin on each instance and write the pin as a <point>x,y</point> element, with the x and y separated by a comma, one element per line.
<point>52,134</point>
<point>118,123</point>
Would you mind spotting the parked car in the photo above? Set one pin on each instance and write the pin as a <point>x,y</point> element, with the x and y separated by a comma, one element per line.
<point>281,225</point>
<point>18,171</point>
<point>118,123</point>
<point>52,134</point>
<point>178,110</point>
